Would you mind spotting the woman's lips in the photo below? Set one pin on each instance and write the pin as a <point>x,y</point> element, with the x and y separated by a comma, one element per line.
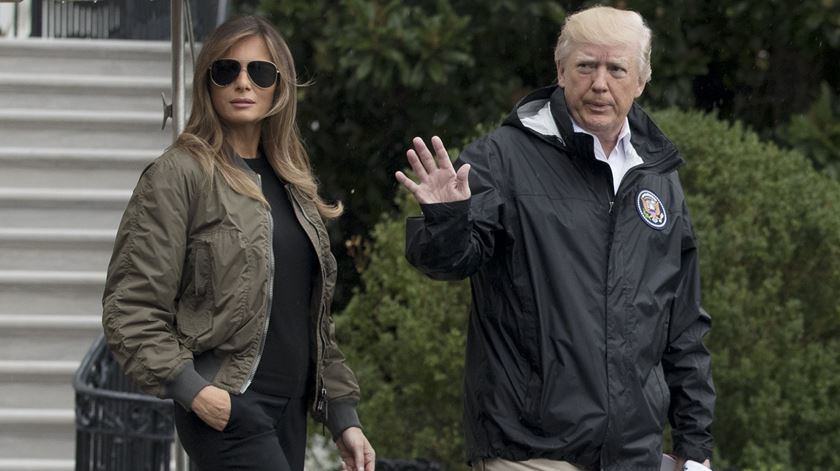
<point>243,103</point>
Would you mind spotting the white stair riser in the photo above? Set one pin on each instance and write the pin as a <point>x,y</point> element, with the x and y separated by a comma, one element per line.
<point>39,255</point>
<point>107,67</point>
<point>46,344</point>
<point>22,174</point>
<point>89,98</point>
<point>64,300</point>
<point>143,135</point>
<point>93,218</point>
<point>34,393</point>
<point>42,441</point>
<point>14,464</point>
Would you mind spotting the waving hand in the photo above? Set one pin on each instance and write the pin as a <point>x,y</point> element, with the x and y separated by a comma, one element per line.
<point>438,182</point>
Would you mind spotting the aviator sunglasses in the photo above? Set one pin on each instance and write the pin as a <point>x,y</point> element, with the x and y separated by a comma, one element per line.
<point>262,73</point>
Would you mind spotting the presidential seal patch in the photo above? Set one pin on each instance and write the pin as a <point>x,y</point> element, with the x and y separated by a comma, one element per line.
<point>651,209</point>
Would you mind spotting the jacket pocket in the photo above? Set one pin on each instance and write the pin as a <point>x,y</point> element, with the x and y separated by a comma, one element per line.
<point>195,315</point>
<point>215,286</point>
<point>663,395</point>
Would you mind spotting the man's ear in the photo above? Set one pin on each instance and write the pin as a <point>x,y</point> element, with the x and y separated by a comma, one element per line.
<point>561,75</point>
<point>641,87</point>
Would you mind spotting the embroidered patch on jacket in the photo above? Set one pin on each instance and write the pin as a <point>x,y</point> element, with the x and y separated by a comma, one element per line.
<point>651,209</point>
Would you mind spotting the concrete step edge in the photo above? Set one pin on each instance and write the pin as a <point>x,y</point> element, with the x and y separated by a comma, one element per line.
<point>50,235</point>
<point>51,277</point>
<point>89,48</point>
<point>58,196</point>
<point>73,159</point>
<point>38,368</point>
<point>73,81</point>
<point>36,464</point>
<point>80,117</point>
<point>51,417</point>
<point>50,322</point>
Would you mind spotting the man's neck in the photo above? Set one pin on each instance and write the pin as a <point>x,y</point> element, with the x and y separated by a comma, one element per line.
<point>608,140</point>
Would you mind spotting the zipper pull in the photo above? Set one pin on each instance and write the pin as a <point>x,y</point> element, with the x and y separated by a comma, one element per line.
<point>611,206</point>
<point>322,396</point>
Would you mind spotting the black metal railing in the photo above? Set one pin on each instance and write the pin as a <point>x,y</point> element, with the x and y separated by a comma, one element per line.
<point>118,428</point>
<point>119,19</point>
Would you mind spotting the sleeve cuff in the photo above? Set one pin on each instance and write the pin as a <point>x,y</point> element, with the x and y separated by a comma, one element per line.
<point>443,211</point>
<point>186,386</point>
<point>342,415</point>
<point>694,453</point>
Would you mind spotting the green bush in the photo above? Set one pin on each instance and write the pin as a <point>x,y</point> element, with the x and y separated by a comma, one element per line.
<point>769,231</point>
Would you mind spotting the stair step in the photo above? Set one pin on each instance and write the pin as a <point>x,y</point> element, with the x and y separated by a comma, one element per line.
<point>46,322</point>
<point>31,384</point>
<point>47,337</point>
<point>90,57</point>
<point>52,292</point>
<point>35,417</point>
<point>83,128</point>
<point>94,92</point>
<point>62,208</point>
<point>55,249</point>
<point>89,158</point>
<point>37,433</point>
<point>60,168</point>
<point>35,464</point>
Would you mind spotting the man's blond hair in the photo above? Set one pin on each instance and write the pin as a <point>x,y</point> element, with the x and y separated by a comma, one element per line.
<point>606,26</point>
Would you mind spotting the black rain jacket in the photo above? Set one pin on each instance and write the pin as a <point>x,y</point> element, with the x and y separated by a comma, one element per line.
<point>586,327</point>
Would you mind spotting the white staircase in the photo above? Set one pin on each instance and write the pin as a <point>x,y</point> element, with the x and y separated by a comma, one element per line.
<point>79,119</point>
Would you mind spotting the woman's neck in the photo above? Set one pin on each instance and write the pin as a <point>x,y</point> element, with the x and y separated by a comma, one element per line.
<point>245,140</point>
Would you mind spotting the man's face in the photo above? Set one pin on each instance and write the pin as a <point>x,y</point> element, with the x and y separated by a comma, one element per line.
<point>600,84</point>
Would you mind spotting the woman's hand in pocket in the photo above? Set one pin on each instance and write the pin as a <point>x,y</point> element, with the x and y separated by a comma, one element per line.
<point>212,405</point>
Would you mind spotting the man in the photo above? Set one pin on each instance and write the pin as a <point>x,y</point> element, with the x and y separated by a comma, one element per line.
<point>586,327</point>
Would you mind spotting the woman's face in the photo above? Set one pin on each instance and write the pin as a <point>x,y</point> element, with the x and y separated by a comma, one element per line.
<point>241,102</point>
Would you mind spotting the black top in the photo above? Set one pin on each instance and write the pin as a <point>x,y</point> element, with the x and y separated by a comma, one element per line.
<point>285,364</point>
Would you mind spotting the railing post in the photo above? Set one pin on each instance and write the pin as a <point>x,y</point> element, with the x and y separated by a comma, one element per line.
<point>178,101</point>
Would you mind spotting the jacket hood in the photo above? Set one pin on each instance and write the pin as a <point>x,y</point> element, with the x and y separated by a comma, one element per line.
<point>655,149</point>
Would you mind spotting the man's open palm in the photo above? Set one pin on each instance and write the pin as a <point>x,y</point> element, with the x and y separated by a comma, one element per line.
<point>438,182</point>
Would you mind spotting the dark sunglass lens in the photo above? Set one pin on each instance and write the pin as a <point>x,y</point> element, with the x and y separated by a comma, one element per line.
<point>263,73</point>
<point>224,71</point>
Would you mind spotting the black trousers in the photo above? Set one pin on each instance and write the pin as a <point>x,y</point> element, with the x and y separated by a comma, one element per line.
<point>264,433</point>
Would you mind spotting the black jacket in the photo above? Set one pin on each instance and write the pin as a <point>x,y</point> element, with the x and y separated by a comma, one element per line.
<point>586,327</point>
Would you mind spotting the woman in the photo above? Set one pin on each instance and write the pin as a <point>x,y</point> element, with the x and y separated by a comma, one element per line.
<point>219,287</point>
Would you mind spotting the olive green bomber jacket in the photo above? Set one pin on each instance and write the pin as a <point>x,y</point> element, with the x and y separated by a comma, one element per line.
<point>188,292</point>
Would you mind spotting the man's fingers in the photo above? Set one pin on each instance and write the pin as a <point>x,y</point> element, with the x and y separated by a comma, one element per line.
<point>462,178</point>
<point>425,156</point>
<point>406,182</point>
<point>441,153</point>
<point>414,161</point>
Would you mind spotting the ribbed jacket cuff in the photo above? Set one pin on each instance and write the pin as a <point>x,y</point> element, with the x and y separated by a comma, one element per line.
<point>342,415</point>
<point>186,386</point>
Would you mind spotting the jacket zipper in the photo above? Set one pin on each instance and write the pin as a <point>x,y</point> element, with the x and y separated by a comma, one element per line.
<point>270,295</point>
<point>612,213</point>
<point>320,388</point>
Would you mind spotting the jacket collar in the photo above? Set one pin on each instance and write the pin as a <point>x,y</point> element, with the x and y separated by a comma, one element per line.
<point>655,149</point>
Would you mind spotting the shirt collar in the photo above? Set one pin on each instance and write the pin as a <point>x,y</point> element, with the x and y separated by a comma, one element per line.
<point>623,136</point>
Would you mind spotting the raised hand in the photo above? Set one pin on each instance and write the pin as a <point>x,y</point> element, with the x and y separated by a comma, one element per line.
<point>438,182</point>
